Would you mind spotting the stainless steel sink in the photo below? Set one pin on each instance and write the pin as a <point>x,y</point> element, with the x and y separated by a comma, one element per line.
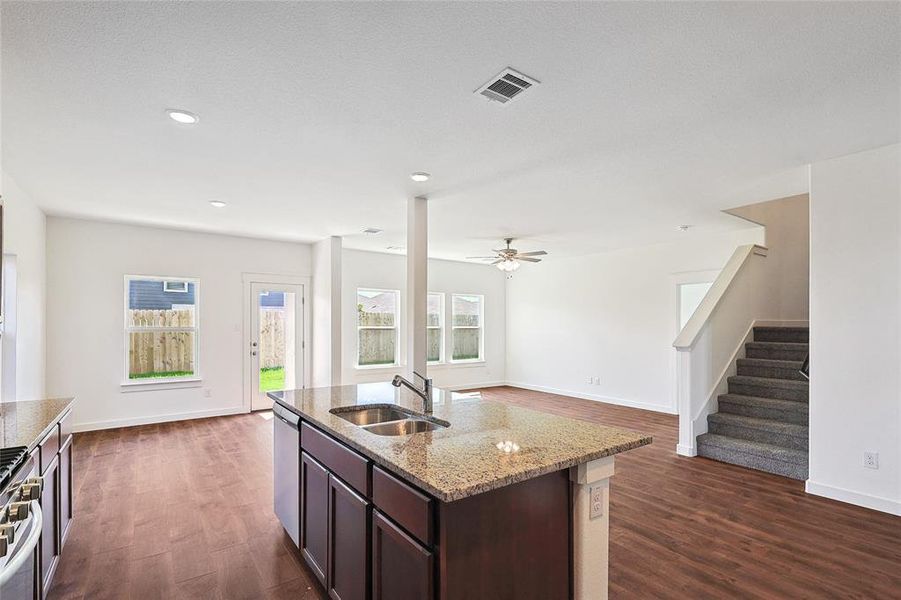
<point>404,427</point>
<point>370,415</point>
<point>388,420</point>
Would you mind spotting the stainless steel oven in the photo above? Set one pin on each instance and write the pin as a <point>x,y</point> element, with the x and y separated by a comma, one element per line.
<point>21,522</point>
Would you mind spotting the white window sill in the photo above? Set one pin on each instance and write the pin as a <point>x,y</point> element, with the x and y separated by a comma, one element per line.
<point>376,367</point>
<point>431,365</point>
<point>156,384</point>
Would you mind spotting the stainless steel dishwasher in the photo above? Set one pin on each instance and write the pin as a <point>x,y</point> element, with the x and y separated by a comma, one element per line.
<point>286,470</point>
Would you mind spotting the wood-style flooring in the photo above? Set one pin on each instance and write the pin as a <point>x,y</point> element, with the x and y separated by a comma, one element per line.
<point>183,510</point>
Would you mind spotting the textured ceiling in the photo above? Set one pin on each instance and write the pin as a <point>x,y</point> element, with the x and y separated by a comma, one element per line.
<point>649,115</point>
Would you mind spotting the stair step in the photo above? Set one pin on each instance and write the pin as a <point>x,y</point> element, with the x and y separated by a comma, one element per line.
<point>776,350</point>
<point>782,334</point>
<point>786,411</point>
<point>772,369</point>
<point>763,387</point>
<point>788,462</point>
<point>768,431</point>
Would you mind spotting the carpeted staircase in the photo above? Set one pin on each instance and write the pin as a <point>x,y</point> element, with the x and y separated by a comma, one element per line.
<point>762,421</point>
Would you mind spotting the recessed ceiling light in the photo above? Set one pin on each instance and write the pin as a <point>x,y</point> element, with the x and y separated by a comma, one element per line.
<point>683,227</point>
<point>419,176</point>
<point>182,116</point>
<point>372,231</point>
<point>217,203</point>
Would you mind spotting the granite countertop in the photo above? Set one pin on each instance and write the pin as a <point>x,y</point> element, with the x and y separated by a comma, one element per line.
<point>25,423</point>
<point>488,444</point>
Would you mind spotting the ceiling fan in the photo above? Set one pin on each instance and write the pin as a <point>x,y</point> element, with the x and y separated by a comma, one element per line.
<point>508,259</point>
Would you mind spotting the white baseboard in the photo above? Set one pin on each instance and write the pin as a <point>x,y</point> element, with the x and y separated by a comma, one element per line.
<point>886,505</point>
<point>474,386</point>
<point>116,423</point>
<point>596,397</point>
<point>683,450</point>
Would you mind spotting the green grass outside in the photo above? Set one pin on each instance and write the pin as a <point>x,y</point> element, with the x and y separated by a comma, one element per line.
<point>272,378</point>
<point>160,374</point>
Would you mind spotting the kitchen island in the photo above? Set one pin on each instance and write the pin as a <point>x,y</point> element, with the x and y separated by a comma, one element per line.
<point>488,500</point>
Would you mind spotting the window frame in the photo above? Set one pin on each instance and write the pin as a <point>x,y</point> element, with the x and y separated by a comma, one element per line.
<point>480,327</point>
<point>442,352</point>
<point>128,329</point>
<point>396,328</point>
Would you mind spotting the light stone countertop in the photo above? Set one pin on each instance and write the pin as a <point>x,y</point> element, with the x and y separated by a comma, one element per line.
<point>464,459</point>
<point>26,422</point>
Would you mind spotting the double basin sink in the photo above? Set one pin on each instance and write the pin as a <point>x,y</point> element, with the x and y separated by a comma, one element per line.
<point>388,420</point>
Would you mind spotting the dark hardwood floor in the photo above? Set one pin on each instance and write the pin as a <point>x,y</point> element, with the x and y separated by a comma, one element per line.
<point>183,510</point>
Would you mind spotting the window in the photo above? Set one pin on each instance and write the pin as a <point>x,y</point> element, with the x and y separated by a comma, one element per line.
<point>435,327</point>
<point>161,328</point>
<point>377,327</point>
<point>179,287</point>
<point>467,324</point>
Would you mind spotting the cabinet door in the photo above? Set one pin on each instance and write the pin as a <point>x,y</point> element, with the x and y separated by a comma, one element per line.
<point>401,568</point>
<point>65,489</point>
<point>314,515</point>
<point>348,542</point>
<point>50,531</point>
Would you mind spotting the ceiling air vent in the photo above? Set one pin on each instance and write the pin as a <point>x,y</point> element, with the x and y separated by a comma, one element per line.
<point>506,86</point>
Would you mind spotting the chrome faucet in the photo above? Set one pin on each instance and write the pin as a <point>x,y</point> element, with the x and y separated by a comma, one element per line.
<point>425,393</point>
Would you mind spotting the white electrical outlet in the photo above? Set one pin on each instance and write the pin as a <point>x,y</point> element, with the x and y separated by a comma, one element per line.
<point>597,380</point>
<point>871,460</point>
<point>207,392</point>
<point>589,379</point>
<point>597,502</point>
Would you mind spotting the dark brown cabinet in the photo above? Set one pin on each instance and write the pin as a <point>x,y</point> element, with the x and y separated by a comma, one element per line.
<point>348,542</point>
<point>314,501</point>
<point>402,569</point>
<point>65,489</point>
<point>50,545</point>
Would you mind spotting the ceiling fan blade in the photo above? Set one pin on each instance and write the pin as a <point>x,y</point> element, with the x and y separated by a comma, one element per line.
<point>535,253</point>
<point>498,261</point>
<point>481,257</point>
<point>527,259</point>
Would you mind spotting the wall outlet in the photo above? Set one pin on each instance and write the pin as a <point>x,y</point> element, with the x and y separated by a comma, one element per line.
<point>597,502</point>
<point>871,460</point>
<point>207,393</point>
<point>597,380</point>
<point>590,380</point>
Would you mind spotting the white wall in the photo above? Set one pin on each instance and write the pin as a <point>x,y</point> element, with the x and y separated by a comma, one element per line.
<point>787,222</point>
<point>24,230</point>
<point>86,263</point>
<point>326,343</point>
<point>613,316</point>
<point>385,271</point>
<point>855,327</point>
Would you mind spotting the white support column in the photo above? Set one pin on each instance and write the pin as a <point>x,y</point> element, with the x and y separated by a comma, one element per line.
<point>417,284</point>
<point>591,527</point>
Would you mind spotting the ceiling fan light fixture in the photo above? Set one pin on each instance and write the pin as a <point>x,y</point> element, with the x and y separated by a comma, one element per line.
<point>508,266</point>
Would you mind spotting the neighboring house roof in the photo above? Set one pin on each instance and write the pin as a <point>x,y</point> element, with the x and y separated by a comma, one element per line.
<point>384,302</point>
<point>273,300</point>
<point>148,294</point>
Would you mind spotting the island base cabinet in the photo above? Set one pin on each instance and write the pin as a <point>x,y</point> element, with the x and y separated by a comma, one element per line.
<point>314,500</point>
<point>401,568</point>
<point>348,542</point>
<point>50,532</point>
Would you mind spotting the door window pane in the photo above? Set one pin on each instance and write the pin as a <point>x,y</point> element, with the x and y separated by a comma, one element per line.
<point>277,345</point>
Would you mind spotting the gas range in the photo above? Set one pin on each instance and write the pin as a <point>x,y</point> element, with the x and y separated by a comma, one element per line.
<point>10,459</point>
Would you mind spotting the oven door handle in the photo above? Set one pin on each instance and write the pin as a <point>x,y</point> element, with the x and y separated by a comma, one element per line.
<point>25,549</point>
